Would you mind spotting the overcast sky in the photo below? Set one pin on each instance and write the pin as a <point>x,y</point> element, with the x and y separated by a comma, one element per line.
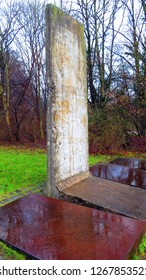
<point>52,1</point>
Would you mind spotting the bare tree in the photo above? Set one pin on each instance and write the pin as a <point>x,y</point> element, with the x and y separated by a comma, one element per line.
<point>144,8</point>
<point>32,51</point>
<point>8,31</point>
<point>99,18</point>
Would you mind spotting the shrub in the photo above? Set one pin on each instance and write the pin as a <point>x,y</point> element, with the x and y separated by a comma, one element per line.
<point>108,130</point>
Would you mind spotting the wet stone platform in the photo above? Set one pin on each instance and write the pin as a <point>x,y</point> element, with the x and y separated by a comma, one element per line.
<point>49,229</point>
<point>131,162</point>
<point>110,196</point>
<point>134,177</point>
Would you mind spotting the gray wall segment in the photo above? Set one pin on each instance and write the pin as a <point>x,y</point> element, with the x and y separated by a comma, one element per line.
<point>50,159</point>
<point>67,121</point>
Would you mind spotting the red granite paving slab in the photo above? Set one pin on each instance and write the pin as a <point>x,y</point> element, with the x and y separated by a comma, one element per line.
<point>134,177</point>
<point>53,229</point>
<point>130,162</point>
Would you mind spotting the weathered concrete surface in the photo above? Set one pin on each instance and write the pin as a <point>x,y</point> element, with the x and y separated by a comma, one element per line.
<point>67,123</point>
<point>111,196</point>
<point>134,177</point>
<point>50,229</point>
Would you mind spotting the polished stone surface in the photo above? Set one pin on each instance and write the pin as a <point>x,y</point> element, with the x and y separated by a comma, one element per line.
<point>53,229</point>
<point>120,173</point>
<point>131,162</point>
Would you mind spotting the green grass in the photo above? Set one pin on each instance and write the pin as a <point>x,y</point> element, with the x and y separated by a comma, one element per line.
<point>100,158</point>
<point>10,254</point>
<point>21,170</point>
<point>141,251</point>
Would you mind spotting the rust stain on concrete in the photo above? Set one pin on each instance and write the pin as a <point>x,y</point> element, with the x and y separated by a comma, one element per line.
<point>65,106</point>
<point>84,120</point>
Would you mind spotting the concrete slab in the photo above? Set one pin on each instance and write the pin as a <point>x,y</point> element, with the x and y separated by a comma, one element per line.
<point>67,117</point>
<point>51,229</point>
<point>134,177</point>
<point>112,196</point>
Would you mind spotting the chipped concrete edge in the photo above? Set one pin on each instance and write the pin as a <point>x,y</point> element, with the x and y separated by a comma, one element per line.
<point>62,185</point>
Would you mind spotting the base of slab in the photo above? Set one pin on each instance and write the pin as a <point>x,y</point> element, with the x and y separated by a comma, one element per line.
<point>73,180</point>
<point>111,196</point>
<point>51,229</point>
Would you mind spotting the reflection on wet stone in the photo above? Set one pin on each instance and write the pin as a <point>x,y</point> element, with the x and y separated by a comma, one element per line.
<point>131,162</point>
<point>56,229</point>
<point>121,173</point>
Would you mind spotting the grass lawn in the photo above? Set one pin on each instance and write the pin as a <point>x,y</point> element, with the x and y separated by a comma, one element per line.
<point>22,170</point>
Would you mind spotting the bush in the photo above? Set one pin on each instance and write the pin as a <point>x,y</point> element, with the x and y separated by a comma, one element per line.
<point>108,130</point>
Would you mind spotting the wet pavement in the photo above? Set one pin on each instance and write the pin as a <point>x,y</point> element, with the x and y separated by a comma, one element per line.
<point>110,196</point>
<point>130,162</point>
<point>134,177</point>
<point>50,229</point>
